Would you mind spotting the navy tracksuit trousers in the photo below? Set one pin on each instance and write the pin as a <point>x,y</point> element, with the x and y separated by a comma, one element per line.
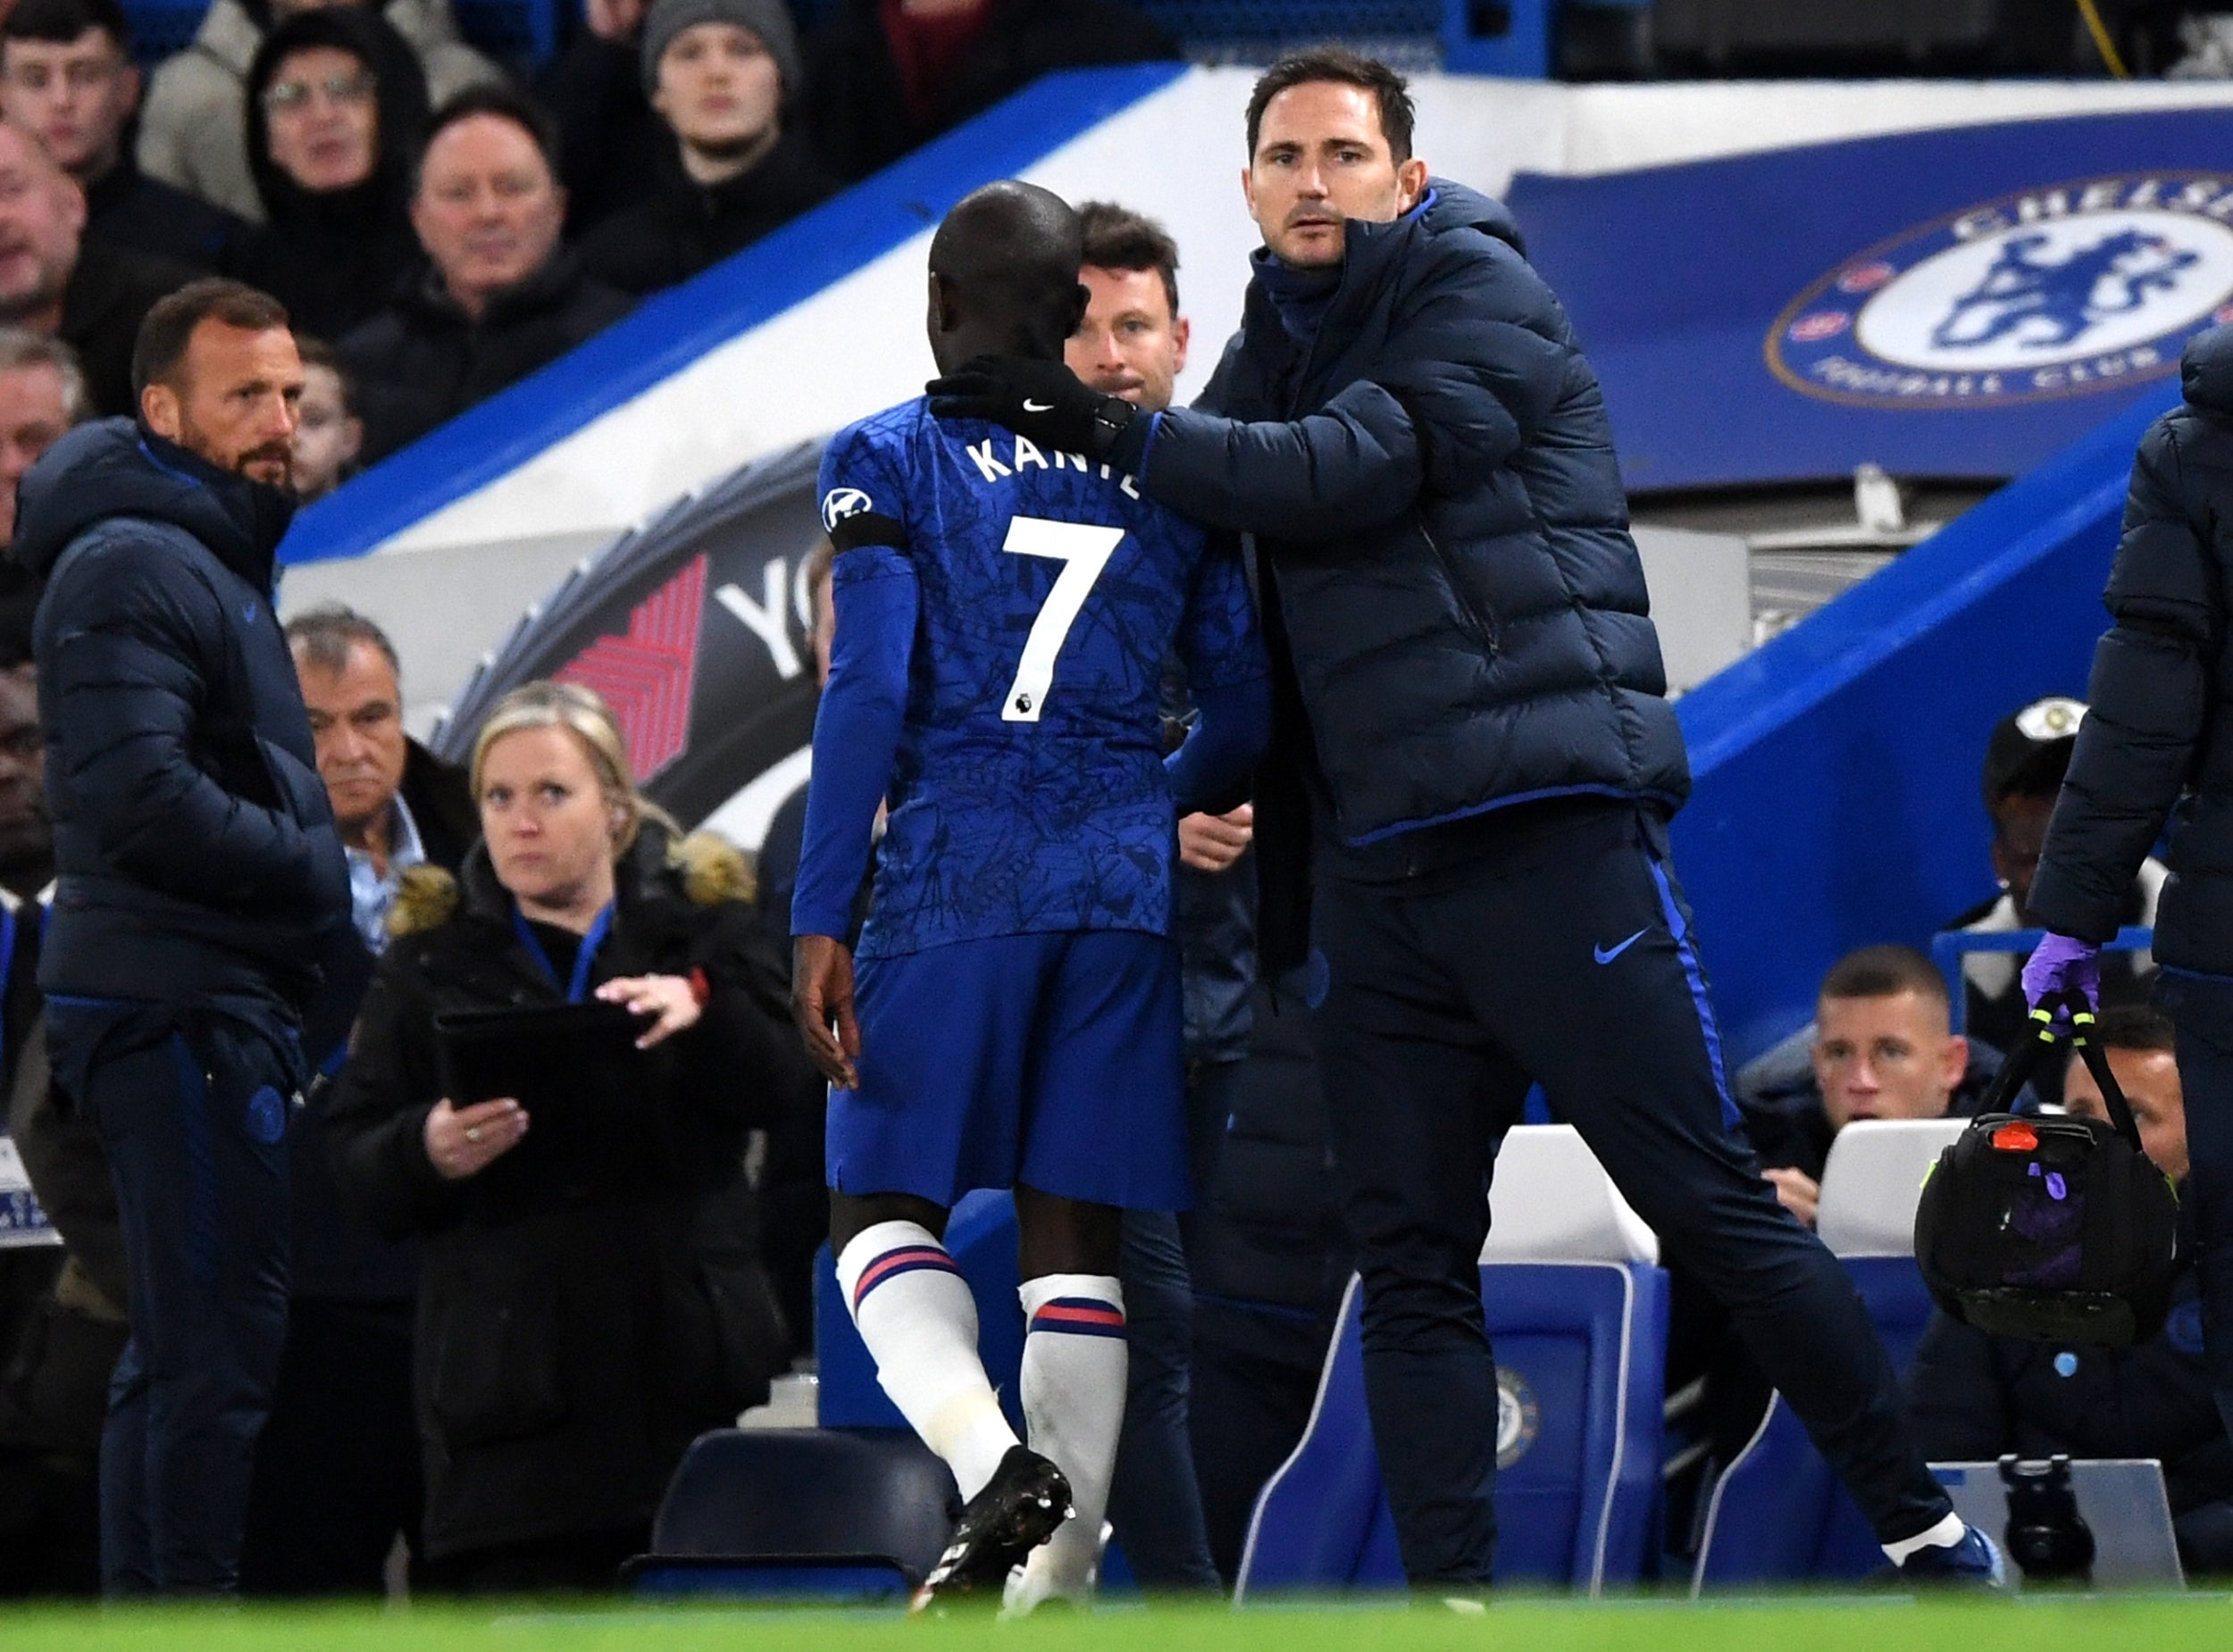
<point>192,1106</point>
<point>2201,1006</point>
<point>1560,952</point>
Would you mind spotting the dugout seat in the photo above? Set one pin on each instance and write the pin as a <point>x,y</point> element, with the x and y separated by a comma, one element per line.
<point>812,1514</point>
<point>980,1235</point>
<point>1577,1310</point>
<point>1777,1515</point>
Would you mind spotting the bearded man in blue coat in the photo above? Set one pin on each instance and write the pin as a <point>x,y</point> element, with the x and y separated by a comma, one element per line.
<point>199,880</point>
<point>1463,824</point>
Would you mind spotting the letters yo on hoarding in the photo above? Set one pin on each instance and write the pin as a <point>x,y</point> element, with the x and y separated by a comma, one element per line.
<point>2060,291</point>
<point>2056,1229</point>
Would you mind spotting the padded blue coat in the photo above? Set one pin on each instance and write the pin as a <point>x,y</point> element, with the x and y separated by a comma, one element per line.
<point>1434,482</point>
<point>196,849</point>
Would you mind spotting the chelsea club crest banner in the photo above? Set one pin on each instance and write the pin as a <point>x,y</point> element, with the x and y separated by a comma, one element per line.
<point>1954,304</point>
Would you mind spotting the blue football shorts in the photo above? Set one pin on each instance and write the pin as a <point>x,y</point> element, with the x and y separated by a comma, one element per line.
<point>1053,1060</point>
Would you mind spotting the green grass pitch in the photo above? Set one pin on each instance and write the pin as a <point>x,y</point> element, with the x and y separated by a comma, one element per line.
<point>2192,1623</point>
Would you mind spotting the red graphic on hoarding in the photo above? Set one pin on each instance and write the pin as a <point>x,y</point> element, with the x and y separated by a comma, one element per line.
<point>646,676</point>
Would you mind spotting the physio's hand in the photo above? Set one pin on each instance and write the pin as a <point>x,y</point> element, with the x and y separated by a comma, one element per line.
<point>461,1141</point>
<point>1213,842</point>
<point>669,998</point>
<point>821,1000</point>
<point>2060,964</point>
<point>1042,401</point>
<point>1798,1192</point>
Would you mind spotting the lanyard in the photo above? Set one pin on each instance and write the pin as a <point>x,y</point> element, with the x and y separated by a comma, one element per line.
<point>578,988</point>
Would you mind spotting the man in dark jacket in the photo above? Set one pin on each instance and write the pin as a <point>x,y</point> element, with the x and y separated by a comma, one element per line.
<point>55,283</point>
<point>2157,747</point>
<point>1472,731</point>
<point>890,75</point>
<point>200,882</point>
<point>721,73</point>
<point>337,1467</point>
<point>501,299</point>
<point>1975,1395</point>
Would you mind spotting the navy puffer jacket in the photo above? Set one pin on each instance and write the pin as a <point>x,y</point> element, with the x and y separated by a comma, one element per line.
<point>1434,480</point>
<point>196,849</point>
<point>2157,742</point>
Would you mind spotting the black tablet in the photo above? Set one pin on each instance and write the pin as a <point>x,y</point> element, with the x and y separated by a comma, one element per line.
<point>575,1069</point>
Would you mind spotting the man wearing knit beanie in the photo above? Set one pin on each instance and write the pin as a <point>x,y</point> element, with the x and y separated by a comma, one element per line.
<point>720,74</point>
<point>768,20</point>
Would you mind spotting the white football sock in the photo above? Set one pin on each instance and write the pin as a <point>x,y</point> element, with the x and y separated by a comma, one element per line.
<point>914,1310</point>
<point>1945,1534</point>
<point>1073,1408</point>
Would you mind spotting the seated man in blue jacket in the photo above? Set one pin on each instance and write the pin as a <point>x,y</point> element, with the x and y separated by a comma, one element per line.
<point>200,882</point>
<point>1974,1396</point>
<point>1462,820</point>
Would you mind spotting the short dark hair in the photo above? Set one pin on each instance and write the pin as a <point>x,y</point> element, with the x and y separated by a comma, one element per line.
<point>505,103</point>
<point>1885,972</point>
<point>1116,237</point>
<point>1339,64</point>
<point>2134,1027</point>
<point>60,23</point>
<point>325,634</point>
<point>318,353</point>
<point>169,325</point>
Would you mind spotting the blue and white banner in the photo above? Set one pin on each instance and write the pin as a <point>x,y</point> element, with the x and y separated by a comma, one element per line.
<point>1952,304</point>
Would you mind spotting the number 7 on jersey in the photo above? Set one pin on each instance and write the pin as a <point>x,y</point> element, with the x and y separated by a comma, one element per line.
<point>1083,550</point>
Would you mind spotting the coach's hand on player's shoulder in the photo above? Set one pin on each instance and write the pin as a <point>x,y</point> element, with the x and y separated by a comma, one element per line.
<point>1213,842</point>
<point>1042,401</point>
<point>1798,1192</point>
<point>461,1141</point>
<point>822,1000</point>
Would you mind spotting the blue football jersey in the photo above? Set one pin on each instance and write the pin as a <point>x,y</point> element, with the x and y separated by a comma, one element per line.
<point>1028,792</point>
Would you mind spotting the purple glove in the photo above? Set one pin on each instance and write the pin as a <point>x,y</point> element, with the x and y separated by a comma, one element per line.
<point>2061,965</point>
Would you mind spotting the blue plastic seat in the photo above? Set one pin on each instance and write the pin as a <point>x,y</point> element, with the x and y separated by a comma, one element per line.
<point>812,1514</point>
<point>1777,1513</point>
<point>1576,1313</point>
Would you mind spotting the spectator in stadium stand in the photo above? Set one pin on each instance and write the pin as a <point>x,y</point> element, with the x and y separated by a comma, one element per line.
<point>42,394</point>
<point>887,76</point>
<point>193,131</point>
<point>67,78</point>
<point>2025,761</point>
<point>1884,1048</point>
<point>202,885</point>
<point>334,122</point>
<point>1974,1396</point>
<point>56,283</point>
<point>502,297</point>
<point>328,435</point>
<point>338,1478</point>
<point>1132,343</point>
<point>1461,828</point>
<point>610,142</point>
<point>578,1328</point>
<point>721,74</point>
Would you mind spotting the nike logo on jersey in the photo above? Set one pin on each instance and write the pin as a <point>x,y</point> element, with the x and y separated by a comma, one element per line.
<point>1606,954</point>
<point>1032,406</point>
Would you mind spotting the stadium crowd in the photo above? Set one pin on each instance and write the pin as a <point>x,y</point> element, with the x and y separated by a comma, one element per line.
<point>455,1367</point>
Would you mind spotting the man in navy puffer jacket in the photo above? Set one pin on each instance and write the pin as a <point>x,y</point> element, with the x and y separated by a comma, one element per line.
<point>200,880</point>
<point>1463,824</point>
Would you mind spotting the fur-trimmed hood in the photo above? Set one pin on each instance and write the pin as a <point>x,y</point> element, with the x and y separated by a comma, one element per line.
<point>703,868</point>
